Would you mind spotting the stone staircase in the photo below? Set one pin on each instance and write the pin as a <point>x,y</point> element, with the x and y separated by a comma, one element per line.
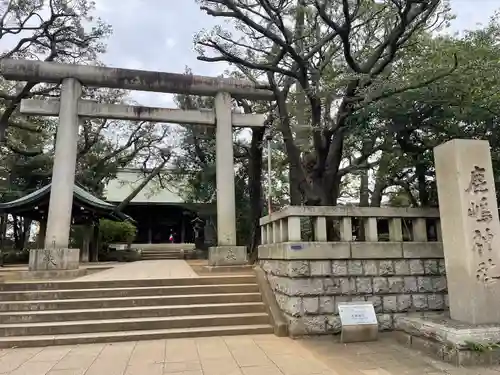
<point>75,312</point>
<point>163,251</point>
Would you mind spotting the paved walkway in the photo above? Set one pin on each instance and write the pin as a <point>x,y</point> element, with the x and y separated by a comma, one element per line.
<point>383,357</point>
<point>145,269</point>
<point>238,355</point>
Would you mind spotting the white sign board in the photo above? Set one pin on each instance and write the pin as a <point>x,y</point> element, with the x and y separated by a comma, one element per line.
<point>357,313</point>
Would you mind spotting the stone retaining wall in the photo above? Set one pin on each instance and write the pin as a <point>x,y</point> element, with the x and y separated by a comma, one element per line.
<point>308,290</point>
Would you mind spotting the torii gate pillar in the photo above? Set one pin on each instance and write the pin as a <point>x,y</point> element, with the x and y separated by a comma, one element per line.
<point>226,253</point>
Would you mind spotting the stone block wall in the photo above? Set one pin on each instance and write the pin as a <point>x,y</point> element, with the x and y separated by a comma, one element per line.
<point>308,290</point>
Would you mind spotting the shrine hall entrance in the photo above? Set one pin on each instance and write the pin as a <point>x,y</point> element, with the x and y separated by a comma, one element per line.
<point>156,222</point>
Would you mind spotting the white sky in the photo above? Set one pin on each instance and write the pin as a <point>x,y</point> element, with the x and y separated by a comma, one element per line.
<point>158,35</point>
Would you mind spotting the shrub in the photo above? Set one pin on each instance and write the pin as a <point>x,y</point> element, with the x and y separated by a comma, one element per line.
<point>115,232</point>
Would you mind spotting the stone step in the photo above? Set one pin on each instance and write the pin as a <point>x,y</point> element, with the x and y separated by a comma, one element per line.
<point>116,325</point>
<point>126,292</point>
<point>161,246</point>
<point>161,256</point>
<point>162,251</point>
<point>125,302</point>
<point>73,284</point>
<point>130,312</point>
<point>101,337</point>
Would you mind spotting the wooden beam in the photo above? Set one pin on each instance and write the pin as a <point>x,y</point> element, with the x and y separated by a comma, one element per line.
<point>87,108</point>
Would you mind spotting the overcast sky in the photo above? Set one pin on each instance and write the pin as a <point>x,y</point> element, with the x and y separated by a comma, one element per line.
<point>158,35</point>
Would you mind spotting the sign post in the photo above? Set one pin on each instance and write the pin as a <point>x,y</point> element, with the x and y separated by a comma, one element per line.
<point>359,322</point>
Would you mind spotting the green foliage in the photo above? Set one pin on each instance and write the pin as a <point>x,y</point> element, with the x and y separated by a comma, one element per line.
<point>481,348</point>
<point>116,232</point>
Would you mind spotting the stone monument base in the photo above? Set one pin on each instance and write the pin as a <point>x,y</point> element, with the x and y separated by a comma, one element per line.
<point>359,333</point>
<point>227,255</point>
<point>54,259</point>
<point>454,342</point>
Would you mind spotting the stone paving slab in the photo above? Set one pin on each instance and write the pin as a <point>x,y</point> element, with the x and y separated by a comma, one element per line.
<point>235,355</point>
<point>145,269</point>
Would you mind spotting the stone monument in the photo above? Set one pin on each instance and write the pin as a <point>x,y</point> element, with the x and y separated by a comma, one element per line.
<point>471,240</point>
<point>470,229</point>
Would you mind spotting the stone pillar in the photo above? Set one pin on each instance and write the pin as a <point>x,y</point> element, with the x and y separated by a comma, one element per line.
<point>226,205</point>
<point>63,171</point>
<point>470,229</point>
<point>226,252</point>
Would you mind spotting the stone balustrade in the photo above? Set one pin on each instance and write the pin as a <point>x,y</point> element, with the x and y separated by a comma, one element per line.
<point>316,257</point>
<point>286,225</point>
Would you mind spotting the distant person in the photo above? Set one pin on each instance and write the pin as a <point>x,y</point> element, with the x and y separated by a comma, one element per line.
<point>171,238</point>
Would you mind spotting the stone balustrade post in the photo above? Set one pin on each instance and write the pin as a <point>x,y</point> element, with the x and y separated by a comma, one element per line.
<point>284,230</point>
<point>320,232</point>
<point>395,230</point>
<point>346,229</point>
<point>371,232</point>
<point>419,230</point>
<point>294,231</point>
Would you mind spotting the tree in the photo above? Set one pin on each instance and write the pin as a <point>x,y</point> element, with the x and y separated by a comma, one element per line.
<point>51,30</point>
<point>462,105</point>
<point>62,31</point>
<point>340,53</point>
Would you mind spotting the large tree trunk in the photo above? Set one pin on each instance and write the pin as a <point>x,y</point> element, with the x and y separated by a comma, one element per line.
<point>423,192</point>
<point>378,192</point>
<point>380,179</point>
<point>255,188</point>
<point>310,193</point>
<point>364,189</point>
<point>295,195</point>
<point>332,178</point>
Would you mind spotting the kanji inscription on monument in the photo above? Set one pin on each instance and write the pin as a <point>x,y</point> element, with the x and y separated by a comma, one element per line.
<point>482,240</point>
<point>480,210</point>
<point>477,183</point>
<point>470,229</point>
<point>230,255</point>
<point>48,259</point>
<point>480,213</point>
<point>484,271</point>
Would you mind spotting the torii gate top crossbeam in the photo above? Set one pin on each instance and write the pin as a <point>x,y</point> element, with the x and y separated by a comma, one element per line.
<point>129,79</point>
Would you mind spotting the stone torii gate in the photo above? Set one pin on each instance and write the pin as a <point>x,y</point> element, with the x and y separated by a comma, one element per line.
<point>71,107</point>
